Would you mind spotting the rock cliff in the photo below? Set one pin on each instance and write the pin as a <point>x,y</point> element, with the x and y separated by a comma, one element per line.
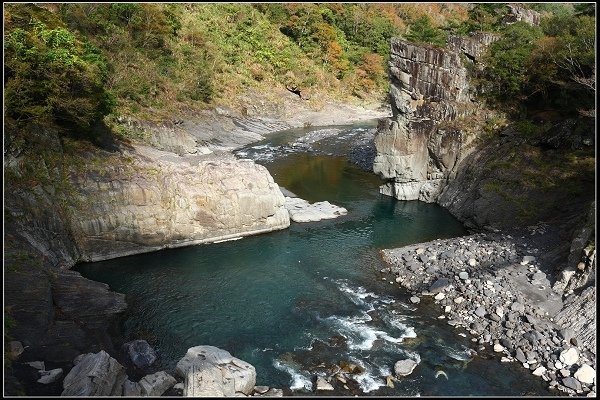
<point>419,148</point>
<point>164,201</point>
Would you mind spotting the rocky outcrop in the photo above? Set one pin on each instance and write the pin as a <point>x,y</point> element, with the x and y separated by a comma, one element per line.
<point>302,211</point>
<point>579,317</point>
<point>95,375</point>
<point>581,263</point>
<point>139,353</point>
<point>404,367</point>
<point>172,202</point>
<point>472,46</point>
<point>151,385</point>
<point>210,371</point>
<point>56,314</point>
<point>419,148</point>
<point>519,13</point>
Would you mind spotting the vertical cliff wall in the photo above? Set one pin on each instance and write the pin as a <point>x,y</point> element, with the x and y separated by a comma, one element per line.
<point>419,148</point>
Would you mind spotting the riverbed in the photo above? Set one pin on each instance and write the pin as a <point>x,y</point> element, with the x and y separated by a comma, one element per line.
<point>296,303</point>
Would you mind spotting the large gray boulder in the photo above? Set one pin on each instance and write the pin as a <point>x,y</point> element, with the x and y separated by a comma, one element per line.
<point>302,211</point>
<point>95,375</point>
<point>156,384</point>
<point>405,367</point>
<point>140,353</point>
<point>210,371</point>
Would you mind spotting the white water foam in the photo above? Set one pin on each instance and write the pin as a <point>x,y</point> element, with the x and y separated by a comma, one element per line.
<point>372,377</point>
<point>317,135</point>
<point>361,336</point>
<point>299,380</point>
<point>356,295</point>
<point>409,331</point>
<point>463,354</point>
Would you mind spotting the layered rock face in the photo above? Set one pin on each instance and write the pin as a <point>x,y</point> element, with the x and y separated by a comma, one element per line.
<point>173,202</point>
<point>419,148</point>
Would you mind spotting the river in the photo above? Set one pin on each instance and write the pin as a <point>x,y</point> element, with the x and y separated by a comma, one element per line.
<point>297,302</point>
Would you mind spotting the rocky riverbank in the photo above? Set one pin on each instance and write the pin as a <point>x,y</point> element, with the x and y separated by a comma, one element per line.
<point>498,287</point>
<point>185,188</point>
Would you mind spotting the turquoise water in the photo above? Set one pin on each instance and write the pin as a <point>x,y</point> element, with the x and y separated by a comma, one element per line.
<point>276,300</point>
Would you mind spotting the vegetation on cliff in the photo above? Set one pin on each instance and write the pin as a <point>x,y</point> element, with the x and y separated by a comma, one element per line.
<point>74,67</point>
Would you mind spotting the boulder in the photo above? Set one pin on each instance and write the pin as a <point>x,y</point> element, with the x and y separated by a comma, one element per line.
<point>14,349</point>
<point>37,365</point>
<point>140,353</point>
<point>527,260</point>
<point>585,374</point>
<point>210,371</point>
<point>404,367</point>
<point>261,389</point>
<point>156,384</point>
<point>463,275</point>
<point>302,211</point>
<point>539,371</point>
<point>322,384</point>
<point>520,355</point>
<point>498,348</point>
<point>173,202</point>
<point>569,356</point>
<point>274,393</point>
<point>439,285</point>
<point>571,383</point>
<point>131,389</point>
<point>50,376</point>
<point>95,375</point>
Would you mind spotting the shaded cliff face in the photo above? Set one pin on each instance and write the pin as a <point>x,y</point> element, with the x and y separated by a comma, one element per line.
<point>418,149</point>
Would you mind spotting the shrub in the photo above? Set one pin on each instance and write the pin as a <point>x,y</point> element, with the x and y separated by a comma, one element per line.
<point>52,77</point>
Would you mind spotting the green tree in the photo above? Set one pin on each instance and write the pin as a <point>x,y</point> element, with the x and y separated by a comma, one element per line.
<point>52,77</point>
<point>507,63</point>
<point>421,31</point>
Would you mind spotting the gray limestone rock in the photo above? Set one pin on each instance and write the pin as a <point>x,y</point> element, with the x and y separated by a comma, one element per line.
<point>51,376</point>
<point>37,365</point>
<point>571,383</point>
<point>95,375</point>
<point>439,285</point>
<point>140,353</point>
<point>519,355</point>
<point>156,384</point>
<point>322,384</point>
<point>173,202</point>
<point>131,389</point>
<point>210,371</point>
<point>404,367</point>
<point>302,211</point>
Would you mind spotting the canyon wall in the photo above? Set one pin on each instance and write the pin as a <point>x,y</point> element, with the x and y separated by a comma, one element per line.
<point>421,145</point>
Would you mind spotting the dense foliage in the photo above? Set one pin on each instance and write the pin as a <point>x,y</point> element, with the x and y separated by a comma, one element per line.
<point>546,67</point>
<point>68,66</point>
<point>73,67</point>
<point>51,76</point>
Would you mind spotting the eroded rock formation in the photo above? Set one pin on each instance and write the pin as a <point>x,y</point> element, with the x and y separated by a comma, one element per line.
<point>419,148</point>
<point>172,202</point>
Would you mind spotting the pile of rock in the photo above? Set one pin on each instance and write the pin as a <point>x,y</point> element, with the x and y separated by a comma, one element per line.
<point>501,297</point>
<point>206,371</point>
